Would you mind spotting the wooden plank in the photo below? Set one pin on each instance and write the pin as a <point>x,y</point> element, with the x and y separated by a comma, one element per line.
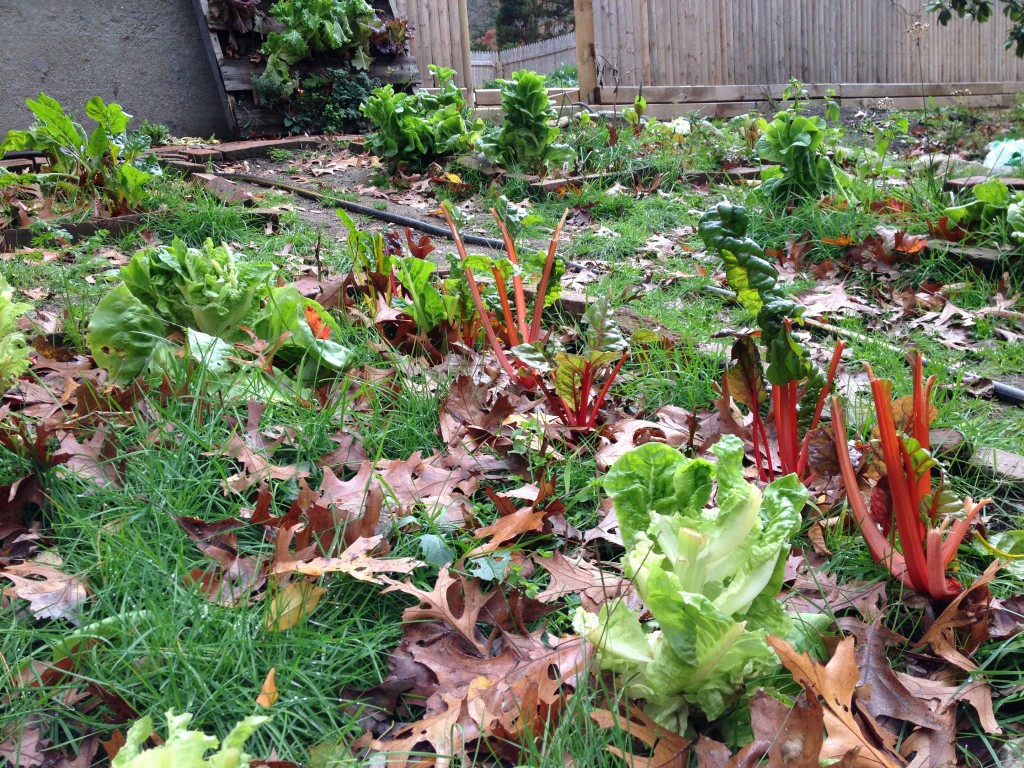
<point>877,90</point>
<point>586,56</point>
<point>492,96</point>
<point>211,57</point>
<point>238,74</point>
<point>918,102</point>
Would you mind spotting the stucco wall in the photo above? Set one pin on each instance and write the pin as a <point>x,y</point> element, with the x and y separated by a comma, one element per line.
<point>146,55</point>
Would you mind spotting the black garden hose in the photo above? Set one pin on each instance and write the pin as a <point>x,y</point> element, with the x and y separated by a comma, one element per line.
<point>392,218</point>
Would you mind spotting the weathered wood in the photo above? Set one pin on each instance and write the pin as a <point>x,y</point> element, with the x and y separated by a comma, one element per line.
<point>586,52</point>
<point>492,96</point>
<point>117,225</point>
<point>959,185</point>
<point>238,74</point>
<point>1006,467</point>
<point>212,59</point>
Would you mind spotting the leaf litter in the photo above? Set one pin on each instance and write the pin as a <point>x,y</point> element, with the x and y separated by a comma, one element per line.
<point>479,669</point>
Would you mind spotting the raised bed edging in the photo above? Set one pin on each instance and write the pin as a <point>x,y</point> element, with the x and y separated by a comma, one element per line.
<point>118,225</point>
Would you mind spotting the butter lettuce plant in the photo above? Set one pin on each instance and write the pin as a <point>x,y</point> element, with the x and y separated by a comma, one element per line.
<point>184,748</point>
<point>202,288</point>
<point>13,348</point>
<point>708,575</point>
<point>207,294</point>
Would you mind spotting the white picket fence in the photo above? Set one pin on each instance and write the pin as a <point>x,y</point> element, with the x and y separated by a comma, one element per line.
<point>543,57</point>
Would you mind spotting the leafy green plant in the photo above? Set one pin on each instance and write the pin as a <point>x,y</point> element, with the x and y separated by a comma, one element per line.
<point>13,349</point>
<point>755,281</point>
<point>505,327</point>
<point>526,138</point>
<point>107,165</point>
<point>201,288</point>
<point>709,577</point>
<point>576,384</point>
<point>795,142</point>
<point>390,37</point>
<point>184,748</point>
<point>207,293</point>
<point>987,205</point>
<point>930,521</point>
<point>330,103</point>
<point>420,128</point>
<point>316,27</point>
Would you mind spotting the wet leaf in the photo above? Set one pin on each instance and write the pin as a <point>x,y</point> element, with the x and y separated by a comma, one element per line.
<point>292,605</point>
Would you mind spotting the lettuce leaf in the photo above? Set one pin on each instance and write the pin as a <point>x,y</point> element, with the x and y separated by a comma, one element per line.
<point>285,315</point>
<point>708,576</point>
<point>184,748</point>
<point>201,288</point>
<point>13,348</point>
<point>124,335</point>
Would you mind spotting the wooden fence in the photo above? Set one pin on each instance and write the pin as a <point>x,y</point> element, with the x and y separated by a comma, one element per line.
<point>438,34</point>
<point>543,57</point>
<point>726,57</point>
<point>860,46</point>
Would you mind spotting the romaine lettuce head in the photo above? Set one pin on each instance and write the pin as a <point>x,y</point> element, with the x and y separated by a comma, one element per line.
<point>709,576</point>
<point>184,748</point>
<point>201,288</point>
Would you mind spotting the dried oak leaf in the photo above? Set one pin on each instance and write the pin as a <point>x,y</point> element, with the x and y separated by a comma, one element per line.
<point>816,591</point>
<point>968,609</point>
<point>835,683</point>
<point>356,561</point>
<point>454,600</point>
<point>442,736</point>
<point>594,586</point>
<point>51,594</point>
<point>880,692</point>
<point>667,749</point>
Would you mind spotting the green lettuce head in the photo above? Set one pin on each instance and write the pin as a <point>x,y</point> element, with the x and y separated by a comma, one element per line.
<point>184,748</point>
<point>709,576</point>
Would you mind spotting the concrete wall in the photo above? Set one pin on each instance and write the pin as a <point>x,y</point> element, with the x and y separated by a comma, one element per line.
<point>146,55</point>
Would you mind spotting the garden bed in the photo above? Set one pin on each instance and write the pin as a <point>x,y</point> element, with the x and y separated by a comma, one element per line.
<point>354,474</point>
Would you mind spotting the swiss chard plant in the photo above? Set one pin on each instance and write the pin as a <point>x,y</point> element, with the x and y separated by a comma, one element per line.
<point>707,576</point>
<point>508,320</point>
<point>804,171</point>
<point>419,128</point>
<point>790,369</point>
<point>576,383</point>
<point>527,137</point>
<point>915,524</point>
<point>106,168</point>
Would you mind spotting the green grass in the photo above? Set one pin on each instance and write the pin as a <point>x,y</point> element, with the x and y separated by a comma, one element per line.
<point>167,646</point>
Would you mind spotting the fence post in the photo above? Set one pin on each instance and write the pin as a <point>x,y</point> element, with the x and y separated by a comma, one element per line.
<point>467,56</point>
<point>586,58</point>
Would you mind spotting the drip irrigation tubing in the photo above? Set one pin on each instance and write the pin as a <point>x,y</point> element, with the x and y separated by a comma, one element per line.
<point>1003,392</point>
<point>328,200</point>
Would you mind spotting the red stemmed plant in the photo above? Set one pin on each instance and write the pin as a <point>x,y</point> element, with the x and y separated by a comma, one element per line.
<point>929,536</point>
<point>522,327</point>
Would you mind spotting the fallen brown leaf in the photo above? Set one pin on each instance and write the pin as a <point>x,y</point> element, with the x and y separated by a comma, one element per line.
<point>835,684</point>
